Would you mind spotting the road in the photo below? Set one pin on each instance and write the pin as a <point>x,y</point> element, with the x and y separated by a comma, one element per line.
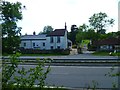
<point>78,76</point>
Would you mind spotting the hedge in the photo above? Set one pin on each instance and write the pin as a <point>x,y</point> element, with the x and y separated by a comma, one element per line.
<point>37,51</point>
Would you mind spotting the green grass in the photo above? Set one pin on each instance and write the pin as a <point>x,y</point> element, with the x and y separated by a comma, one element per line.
<point>35,89</point>
<point>103,53</point>
<point>13,87</point>
<point>51,54</point>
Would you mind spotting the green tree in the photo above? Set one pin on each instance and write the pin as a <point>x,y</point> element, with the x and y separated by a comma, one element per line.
<point>46,30</point>
<point>82,33</point>
<point>91,34</point>
<point>117,34</point>
<point>11,13</point>
<point>72,34</point>
<point>100,21</point>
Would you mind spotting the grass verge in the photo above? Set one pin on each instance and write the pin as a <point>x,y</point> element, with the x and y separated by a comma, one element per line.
<point>103,53</point>
<point>51,54</point>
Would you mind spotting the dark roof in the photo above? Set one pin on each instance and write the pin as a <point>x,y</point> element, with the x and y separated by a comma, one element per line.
<point>57,32</point>
<point>108,41</point>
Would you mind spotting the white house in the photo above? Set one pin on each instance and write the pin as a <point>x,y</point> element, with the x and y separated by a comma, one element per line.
<point>54,40</point>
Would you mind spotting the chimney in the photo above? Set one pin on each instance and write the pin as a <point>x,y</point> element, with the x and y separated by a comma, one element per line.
<point>65,26</point>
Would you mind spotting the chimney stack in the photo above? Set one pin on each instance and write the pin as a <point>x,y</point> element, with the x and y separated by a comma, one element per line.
<point>65,26</point>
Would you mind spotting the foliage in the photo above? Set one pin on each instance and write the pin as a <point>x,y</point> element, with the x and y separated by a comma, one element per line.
<point>72,34</point>
<point>82,33</point>
<point>91,34</point>
<point>106,53</point>
<point>74,46</point>
<point>46,30</point>
<point>35,74</point>
<point>80,37</point>
<point>100,21</point>
<point>34,88</point>
<point>79,50</point>
<point>111,73</point>
<point>47,52</point>
<point>9,70</point>
<point>94,85</point>
<point>85,42</point>
<point>11,13</point>
<point>96,30</point>
<point>25,78</point>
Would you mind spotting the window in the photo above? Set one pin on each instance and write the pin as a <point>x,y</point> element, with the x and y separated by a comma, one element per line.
<point>43,44</point>
<point>51,39</point>
<point>24,44</point>
<point>69,44</point>
<point>58,47</point>
<point>51,47</point>
<point>33,44</point>
<point>58,39</point>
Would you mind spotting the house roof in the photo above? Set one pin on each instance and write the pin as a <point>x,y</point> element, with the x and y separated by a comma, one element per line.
<point>34,37</point>
<point>108,41</point>
<point>57,32</point>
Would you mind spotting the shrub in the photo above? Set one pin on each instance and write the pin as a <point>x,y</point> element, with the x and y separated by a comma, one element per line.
<point>79,50</point>
<point>25,78</point>
<point>74,46</point>
<point>37,51</point>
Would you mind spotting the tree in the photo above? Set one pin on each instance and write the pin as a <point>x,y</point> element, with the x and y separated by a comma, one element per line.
<point>84,27</point>
<point>72,34</point>
<point>74,28</point>
<point>100,21</point>
<point>11,13</point>
<point>47,29</point>
<point>91,34</point>
<point>82,33</point>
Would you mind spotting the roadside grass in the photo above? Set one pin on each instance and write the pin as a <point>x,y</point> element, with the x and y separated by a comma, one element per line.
<point>50,54</point>
<point>103,53</point>
<point>34,88</point>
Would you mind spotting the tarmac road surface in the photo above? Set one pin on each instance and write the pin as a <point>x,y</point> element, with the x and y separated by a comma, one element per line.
<point>79,76</point>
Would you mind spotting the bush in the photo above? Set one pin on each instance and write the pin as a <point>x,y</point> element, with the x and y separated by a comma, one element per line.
<point>74,46</point>
<point>91,48</point>
<point>25,78</point>
<point>66,52</point>
<point>79,50</point>
<point>37,51</point>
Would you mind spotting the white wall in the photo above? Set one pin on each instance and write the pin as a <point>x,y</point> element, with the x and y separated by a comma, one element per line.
<point>62,44</point>
<point>29,44</point>
<point>39,43</point>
